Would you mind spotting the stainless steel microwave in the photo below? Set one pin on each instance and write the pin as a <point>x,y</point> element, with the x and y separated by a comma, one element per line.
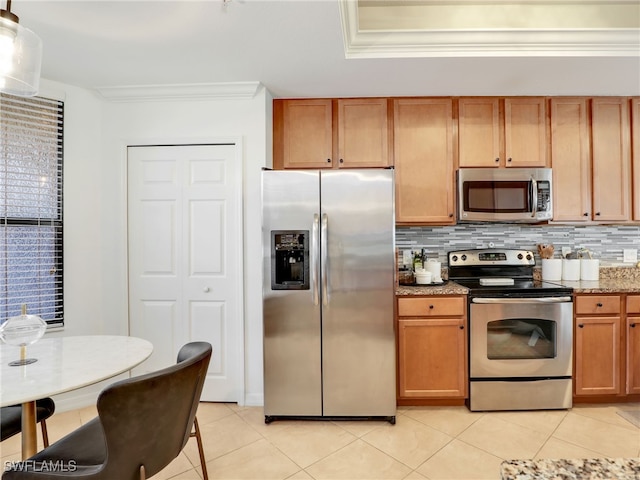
<point>510,195</point>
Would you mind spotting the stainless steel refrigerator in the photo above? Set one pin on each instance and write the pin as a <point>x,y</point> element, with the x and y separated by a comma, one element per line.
<point>328,293</point>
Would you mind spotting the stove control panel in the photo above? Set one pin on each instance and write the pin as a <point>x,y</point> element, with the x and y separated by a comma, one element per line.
<point>491,256</point>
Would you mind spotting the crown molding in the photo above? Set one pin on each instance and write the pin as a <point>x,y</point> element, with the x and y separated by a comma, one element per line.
<point>195,91</point>
<point>483,43</point>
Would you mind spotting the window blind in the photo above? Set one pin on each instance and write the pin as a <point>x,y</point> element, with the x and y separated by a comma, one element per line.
<point>31,154</point>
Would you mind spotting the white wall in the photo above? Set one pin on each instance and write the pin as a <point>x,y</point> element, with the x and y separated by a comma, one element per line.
<point>83,234</point>
<point>96,135</point>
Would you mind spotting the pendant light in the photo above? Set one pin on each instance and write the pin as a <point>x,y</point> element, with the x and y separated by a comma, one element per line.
<point>20,56</point>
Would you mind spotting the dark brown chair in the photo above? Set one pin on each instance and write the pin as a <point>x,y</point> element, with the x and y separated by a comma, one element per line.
<point>184,353</point>
<point>143,424</point>
<point>11,419</point>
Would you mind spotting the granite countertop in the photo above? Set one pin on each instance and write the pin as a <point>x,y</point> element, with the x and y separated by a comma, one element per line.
<point>447,288</point>
<point>611,280</point>
<point>604,285</point>
<point>579,469</point>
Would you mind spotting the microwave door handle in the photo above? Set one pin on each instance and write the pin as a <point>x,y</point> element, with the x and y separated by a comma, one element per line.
<point>534,203</point>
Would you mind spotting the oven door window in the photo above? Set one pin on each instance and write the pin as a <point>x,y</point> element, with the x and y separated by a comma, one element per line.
<point>497,197</point>
<point>521,338</point>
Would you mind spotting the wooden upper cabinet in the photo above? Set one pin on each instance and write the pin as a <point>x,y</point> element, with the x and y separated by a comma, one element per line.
<point>635,143</point>
<point>611,161</point>
<point>303,134</point>
<point>479,132</point>
<point>363,133</point>
<point>326,133</point>
<point>525,132</point>
<point>510,132</point>
<point>424,161</point>
<point>570,159</point>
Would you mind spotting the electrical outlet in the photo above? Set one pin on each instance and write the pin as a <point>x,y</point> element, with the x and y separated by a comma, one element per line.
<point>407,257</point>
<point>630,255</point>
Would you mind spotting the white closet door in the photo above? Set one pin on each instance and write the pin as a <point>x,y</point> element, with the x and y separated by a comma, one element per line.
<point>185,257</point>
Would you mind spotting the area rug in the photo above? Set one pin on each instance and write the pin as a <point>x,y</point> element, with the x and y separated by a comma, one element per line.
<point>632,416</point>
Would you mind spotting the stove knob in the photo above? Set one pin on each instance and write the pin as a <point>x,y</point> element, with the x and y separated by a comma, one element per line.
<point>519,256</point>
<point>464,257</point>
<point>528,256</point>
<point>454,258</point>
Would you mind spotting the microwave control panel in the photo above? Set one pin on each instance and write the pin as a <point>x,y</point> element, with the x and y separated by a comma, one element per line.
<point>544,196</point>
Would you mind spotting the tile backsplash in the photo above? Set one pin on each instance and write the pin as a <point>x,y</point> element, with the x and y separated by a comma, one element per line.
<point>605,242</point>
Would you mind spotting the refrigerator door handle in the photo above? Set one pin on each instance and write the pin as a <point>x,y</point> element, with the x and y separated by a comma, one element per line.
<point>314,258</point>
<point>323,258</point>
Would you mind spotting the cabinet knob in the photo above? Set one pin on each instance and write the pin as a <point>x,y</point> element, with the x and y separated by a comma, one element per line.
<point>328,160</point>
<point>585,214</point>
<point>597,214</point>
<point>581,325</point>
<point>451,215</point>
<point>633,325</point>
<point>509,160</point>
<point>430,307</point>
<point>497,159</point>
<point>598,304</point>
<point>461,327</point>
<point>341,161</point>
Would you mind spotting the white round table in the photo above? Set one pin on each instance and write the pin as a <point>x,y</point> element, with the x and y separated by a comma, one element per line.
<point>64,364</point>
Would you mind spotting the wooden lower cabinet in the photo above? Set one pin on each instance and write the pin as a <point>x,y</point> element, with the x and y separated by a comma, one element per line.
<point>633,344</point>
<point>432,348</point>
<point>597,341</point>
<point>607,347</point>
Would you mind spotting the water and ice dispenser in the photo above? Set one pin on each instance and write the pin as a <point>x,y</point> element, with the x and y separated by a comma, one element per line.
<point>290,259</point>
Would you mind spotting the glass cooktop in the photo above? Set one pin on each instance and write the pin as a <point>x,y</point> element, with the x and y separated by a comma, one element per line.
<point>520,287</point>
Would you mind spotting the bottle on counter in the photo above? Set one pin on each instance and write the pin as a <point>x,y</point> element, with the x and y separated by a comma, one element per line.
<point>418,262</point>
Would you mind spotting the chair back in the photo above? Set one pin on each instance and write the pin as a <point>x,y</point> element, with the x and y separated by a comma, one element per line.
<point>147,420</point>
<point>188,351</point>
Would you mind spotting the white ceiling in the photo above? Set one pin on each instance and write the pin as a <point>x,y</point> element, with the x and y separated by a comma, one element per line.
<point>293,47</point>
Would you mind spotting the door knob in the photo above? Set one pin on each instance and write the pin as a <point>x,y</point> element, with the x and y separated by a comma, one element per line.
<point>206,289</point>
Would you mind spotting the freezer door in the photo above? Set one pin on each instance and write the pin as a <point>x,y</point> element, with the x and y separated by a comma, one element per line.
<point>291,305</point>
<point>357,223</point>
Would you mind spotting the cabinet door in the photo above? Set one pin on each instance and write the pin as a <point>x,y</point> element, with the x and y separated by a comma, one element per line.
<point>525,132</point>
<point>432,358</point>
<point>635,119</point>
<point>479,132</point>
<point>363,133</point>
<point>307,136</point>
<point>570,160</point>
<point>611,159</point>
<point>597,355</point>
<point>424,163</point>
<point>633,354</point>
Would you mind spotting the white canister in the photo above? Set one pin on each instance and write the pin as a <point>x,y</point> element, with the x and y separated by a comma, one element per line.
<point>571,269</point>
<point>589,269</point>
<point>551,269</point>
<point>435,267</point>
<point>423,278</point>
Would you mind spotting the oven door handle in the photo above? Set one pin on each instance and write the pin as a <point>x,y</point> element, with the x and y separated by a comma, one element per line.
<point>522,300</point>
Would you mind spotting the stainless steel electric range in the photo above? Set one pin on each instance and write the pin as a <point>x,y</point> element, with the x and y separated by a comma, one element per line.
<point>520,332</point>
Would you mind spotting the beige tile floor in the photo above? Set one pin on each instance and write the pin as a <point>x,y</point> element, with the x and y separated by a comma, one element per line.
<point>425,443</point>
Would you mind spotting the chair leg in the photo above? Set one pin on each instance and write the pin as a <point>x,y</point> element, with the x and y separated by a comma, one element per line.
<point>45,435</point>
<point>196,433</point>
